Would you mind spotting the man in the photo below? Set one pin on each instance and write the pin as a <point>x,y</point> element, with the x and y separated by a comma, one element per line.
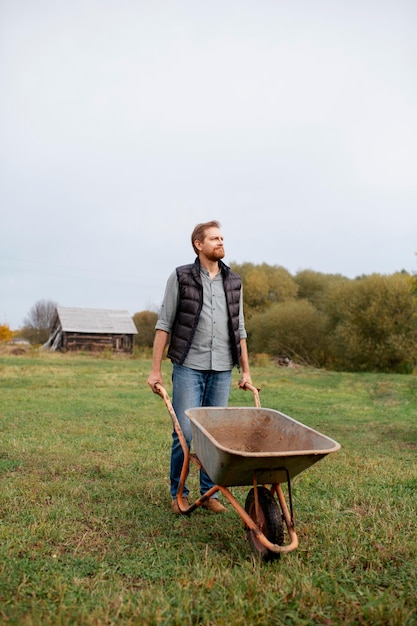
<point>202,314</point>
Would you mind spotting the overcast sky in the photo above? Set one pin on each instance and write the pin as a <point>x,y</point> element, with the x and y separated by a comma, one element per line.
<point>126,122</point>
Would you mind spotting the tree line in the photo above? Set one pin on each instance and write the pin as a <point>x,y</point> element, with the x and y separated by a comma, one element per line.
<point>327,320</point>
<point>324,320</point>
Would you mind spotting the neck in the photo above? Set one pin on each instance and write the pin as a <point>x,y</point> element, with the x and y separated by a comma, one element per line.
<point>212,267</point>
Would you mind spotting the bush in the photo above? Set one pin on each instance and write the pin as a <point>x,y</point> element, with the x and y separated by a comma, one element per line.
<point>373,324</point>
<point>295,329</point>
<point>145,324</point>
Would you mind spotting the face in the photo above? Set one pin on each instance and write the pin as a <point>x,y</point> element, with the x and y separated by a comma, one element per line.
<point>212,246</point>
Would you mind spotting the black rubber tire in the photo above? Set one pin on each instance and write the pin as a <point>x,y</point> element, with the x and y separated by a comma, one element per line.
<point>271,523</point>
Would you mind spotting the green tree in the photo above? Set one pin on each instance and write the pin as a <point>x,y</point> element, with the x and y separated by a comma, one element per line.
<point>145,324</point>
<point>373,324</point>
<point>264,285</point>
<point>294,328</point>
<point>313,286</point>
<point>281,284</point>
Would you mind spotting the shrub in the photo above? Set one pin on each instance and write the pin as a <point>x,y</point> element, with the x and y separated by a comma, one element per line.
<point>145,324</point>
<point>295,329</point>
<point>373,324</point>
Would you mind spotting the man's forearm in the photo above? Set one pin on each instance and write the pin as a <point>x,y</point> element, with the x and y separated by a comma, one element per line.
<point>159,343</point>
<point>244,359</point>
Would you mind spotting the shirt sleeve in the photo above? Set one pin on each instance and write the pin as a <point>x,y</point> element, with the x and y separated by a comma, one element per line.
<point>242,329</point>
<point>169,305</point>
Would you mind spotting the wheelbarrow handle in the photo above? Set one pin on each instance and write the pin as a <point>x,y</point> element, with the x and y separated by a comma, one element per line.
<point>160,390</point>
<point>255,391</point>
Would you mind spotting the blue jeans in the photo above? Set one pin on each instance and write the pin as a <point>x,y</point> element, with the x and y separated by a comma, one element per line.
<point>193,388</point>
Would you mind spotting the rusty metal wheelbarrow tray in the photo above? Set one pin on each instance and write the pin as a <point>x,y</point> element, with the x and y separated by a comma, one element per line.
<point>233,443</point>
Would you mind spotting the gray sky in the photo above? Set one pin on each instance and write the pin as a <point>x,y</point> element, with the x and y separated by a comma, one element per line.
<point>123,123</point>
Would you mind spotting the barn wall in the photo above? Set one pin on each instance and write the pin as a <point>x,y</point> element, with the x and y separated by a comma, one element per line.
<point>96,342</point>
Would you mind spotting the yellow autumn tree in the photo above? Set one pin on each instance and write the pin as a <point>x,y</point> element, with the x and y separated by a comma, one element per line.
<point>5,333</point>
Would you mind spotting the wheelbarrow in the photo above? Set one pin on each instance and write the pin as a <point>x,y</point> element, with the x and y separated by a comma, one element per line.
<point>242,446</point>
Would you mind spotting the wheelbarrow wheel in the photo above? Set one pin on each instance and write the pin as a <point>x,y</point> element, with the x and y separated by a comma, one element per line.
<point>270,523</point>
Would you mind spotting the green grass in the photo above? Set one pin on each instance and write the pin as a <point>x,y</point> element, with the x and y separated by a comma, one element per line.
<point>87,535</point>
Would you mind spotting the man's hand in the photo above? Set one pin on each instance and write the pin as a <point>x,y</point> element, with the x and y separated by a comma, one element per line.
<point>245,379</point>
<point>154,378</point>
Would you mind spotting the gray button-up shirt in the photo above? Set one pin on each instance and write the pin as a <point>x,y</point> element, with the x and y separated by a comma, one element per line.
<point>210,349</point>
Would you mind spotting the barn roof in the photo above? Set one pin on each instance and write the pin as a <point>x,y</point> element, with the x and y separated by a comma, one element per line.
<point>80,320</point>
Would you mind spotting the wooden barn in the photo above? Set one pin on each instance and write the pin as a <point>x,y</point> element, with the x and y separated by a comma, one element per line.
<point>91,330</point>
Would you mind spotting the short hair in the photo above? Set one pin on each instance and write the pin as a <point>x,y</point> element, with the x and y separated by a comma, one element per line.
<point>199,232</point>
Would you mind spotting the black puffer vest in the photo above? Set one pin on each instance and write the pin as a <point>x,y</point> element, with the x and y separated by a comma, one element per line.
<point>190,305</point>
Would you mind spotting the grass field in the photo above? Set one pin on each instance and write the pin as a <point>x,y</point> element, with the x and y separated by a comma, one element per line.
<point>87,535</point>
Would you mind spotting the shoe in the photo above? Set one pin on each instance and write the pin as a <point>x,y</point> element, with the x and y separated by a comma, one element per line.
<point>176,508</point>
<point>214,505</point>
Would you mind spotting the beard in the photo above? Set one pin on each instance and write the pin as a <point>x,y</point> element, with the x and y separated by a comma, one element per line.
<point>216,254</point>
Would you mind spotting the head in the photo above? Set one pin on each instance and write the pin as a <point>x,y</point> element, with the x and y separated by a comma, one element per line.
<point>207,240</point>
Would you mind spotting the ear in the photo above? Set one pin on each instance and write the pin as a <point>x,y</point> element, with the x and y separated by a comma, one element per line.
<point>198,244</point>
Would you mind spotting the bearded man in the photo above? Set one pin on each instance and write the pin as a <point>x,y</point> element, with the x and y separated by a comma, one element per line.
<point>202,318</point>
